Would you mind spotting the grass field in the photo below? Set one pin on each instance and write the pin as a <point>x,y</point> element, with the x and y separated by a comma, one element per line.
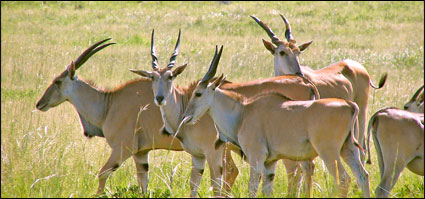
<point>46,155</point>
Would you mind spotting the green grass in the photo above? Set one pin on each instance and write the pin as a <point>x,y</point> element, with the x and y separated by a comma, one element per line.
<point>46,155</point>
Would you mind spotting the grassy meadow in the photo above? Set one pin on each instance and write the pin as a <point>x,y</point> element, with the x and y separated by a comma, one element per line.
<point>46,155</point>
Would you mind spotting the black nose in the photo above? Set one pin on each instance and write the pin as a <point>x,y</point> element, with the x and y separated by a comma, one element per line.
<point>159,99</point>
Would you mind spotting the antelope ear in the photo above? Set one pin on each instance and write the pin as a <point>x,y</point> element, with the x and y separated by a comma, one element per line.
<point>179,70</point>
<point>71,70</point>
<point>222,81</point>
<point>142,73</point>
<point>218,82</point>
<point>303,46</point>
<point>269,46</point>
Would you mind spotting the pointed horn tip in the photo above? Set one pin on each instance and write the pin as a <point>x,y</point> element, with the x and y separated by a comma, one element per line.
<point>107,39</point>
<point>256,19</point>
<point>221,50</point>
<point>288,26</point>
<point>216,51</point>
<point>283,17</point>
<point>72,64</point>
<point>135,71</point>
<point>103,41</point>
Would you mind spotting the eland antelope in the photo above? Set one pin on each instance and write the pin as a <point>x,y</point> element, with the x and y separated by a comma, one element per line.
<point>270,126</point>
<point>172,101</point>
<point>113,115</point>
<point>346,79</point>
<point>398,136</point>
<point>416,103</point>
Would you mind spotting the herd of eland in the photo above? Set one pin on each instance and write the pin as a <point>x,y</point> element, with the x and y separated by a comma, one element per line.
<point>296,116</point>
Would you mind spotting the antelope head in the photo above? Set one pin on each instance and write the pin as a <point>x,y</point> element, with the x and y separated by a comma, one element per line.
<point>162,78</point>
<point>62,86</point>
<point>286,53</point>
<point>416,104</point>
<point>203,95</point>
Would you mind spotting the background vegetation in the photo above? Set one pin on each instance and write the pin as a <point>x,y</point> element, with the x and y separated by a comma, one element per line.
<point>46,155</point>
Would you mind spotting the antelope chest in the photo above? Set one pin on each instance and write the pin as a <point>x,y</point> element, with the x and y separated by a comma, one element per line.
<point>89,129</point>
<point>196,139</point>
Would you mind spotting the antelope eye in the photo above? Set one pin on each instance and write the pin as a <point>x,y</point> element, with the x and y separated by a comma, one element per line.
<point>198,94</point>
<point>170,77</point>
<point>282,53</point>
<point>58,83</point>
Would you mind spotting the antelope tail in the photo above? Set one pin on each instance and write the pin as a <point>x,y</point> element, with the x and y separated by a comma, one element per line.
<point>314,88</point>
<point>381,82</point>
<point>354,125</point>
<point>369,129</point>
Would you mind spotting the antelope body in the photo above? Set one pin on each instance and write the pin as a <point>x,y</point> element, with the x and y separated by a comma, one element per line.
<point>172,101</point>
<point>398,136</point>
<point>346,79</point>
<point>270,127</point>
<point>399,141</point>
<point>113,115</point>
<point>295,87</point>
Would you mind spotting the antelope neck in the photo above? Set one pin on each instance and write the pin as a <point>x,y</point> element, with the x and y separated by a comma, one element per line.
<point>227,115</point>
<point>173,110</point>
<point>92,105</point>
